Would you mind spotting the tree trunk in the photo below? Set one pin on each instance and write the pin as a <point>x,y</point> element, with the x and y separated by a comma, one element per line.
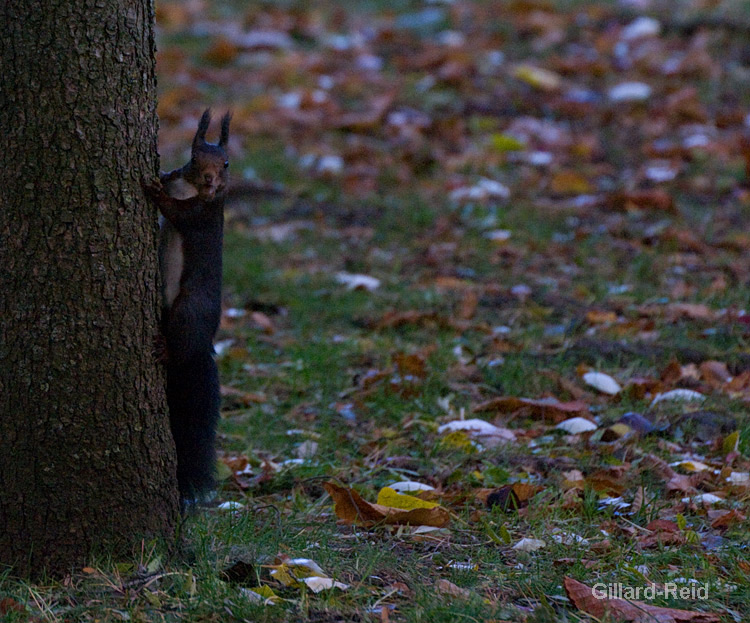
<point>86,457</point>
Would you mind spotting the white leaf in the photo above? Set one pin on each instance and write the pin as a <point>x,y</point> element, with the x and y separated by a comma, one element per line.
<point>569,538</point>
<point>603,382</point>
<point>529,545</point>
<point>332,165</point>
<point>478,427</point>
<point>230,506</point>
<point>358,282</point>
<point>705,498</point>
<point>739,478</point>
<point>630,92</point>
<point>317,584</point>
<point>576,426</point>
<point>406,486</point>
<point>485,188</point>
<point>618,503</point>
<point>222,346</point>
<point>678,394</point>
<point>641,27</point>
<point>498,235</point>
<point>307,449</point>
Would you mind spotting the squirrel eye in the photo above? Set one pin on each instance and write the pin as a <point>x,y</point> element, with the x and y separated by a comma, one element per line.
<point>226,164</point>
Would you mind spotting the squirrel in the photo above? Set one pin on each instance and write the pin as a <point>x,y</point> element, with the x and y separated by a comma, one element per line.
<point>191,201</point>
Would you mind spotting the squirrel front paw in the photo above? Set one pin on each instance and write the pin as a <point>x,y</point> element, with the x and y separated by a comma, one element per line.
<point>160,348</point>
<point>153,189</point>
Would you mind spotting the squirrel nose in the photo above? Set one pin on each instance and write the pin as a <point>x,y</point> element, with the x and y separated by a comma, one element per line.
<point>208,177</point>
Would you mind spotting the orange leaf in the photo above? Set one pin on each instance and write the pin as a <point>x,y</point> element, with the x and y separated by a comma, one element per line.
<point>221,52</point>
<point>596,316</point>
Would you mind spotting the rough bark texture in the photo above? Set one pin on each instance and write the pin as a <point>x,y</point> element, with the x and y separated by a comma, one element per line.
<point>86,457</point>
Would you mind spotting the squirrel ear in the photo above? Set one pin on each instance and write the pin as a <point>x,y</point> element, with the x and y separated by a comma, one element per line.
<point>224,137</point>
<point>200,135</point>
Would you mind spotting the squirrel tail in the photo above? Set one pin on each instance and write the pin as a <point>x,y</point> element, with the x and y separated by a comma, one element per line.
<point>194,401</point>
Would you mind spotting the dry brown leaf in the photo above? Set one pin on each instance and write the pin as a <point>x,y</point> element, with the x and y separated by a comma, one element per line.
<point>662,532</point>
<point>569,183</point>
<point>246,398</point>
<point>543,409</point>
<point>655,199</point>
<point>715,373</point>
<point>672,373</point>
<point>221,52</point>
<point>367,119</point>
<point>351,508</point>
<point>622,610</point>
<point>727,518</point>
<point>672,480</point>
<point>449,588</point>
<point>605,483</point>
<point>596,316</point>
<point>468,307</point>
<point>410,365</point>
<point>263,322</point>
<point>393,319</point>
<point>512,497</point>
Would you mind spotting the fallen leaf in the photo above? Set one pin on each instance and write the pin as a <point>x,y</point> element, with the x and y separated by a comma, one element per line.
<point>655,199</point>
<point>602,382</point>
<point>478,428</point>
<point>597,604</point>
<point>512,497</point>
<point>548,409</point>
<point>529,545</point>
<point>358,282</point>
<point>715,373</point>
<point>662,532</point>
<point>725,519</point>
<point>539,78</point>
<point>351,508</point>
<point>569,183</point>
<point>408,486</point>
<point>394,499</point>
<point>678,395</point>
<point>318,584</point>
<point>576,426</point>
<point>262,594</point>
<point>449,588</point>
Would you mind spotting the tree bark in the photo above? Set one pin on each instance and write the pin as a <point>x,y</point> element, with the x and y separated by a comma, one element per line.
<point>86,457</point>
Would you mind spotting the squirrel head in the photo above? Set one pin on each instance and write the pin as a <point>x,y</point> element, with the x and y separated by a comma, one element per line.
<point>209,164</point>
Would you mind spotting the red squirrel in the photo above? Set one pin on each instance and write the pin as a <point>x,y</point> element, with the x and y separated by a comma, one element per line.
<point>191,201</point>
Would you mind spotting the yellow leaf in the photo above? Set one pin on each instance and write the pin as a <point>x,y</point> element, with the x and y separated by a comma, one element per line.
<point>394,499</point>
<point>505,142</point>
<point>730,442</point>
<point>458,440</point>
<point>265,593</point>
<point>569,183</point>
